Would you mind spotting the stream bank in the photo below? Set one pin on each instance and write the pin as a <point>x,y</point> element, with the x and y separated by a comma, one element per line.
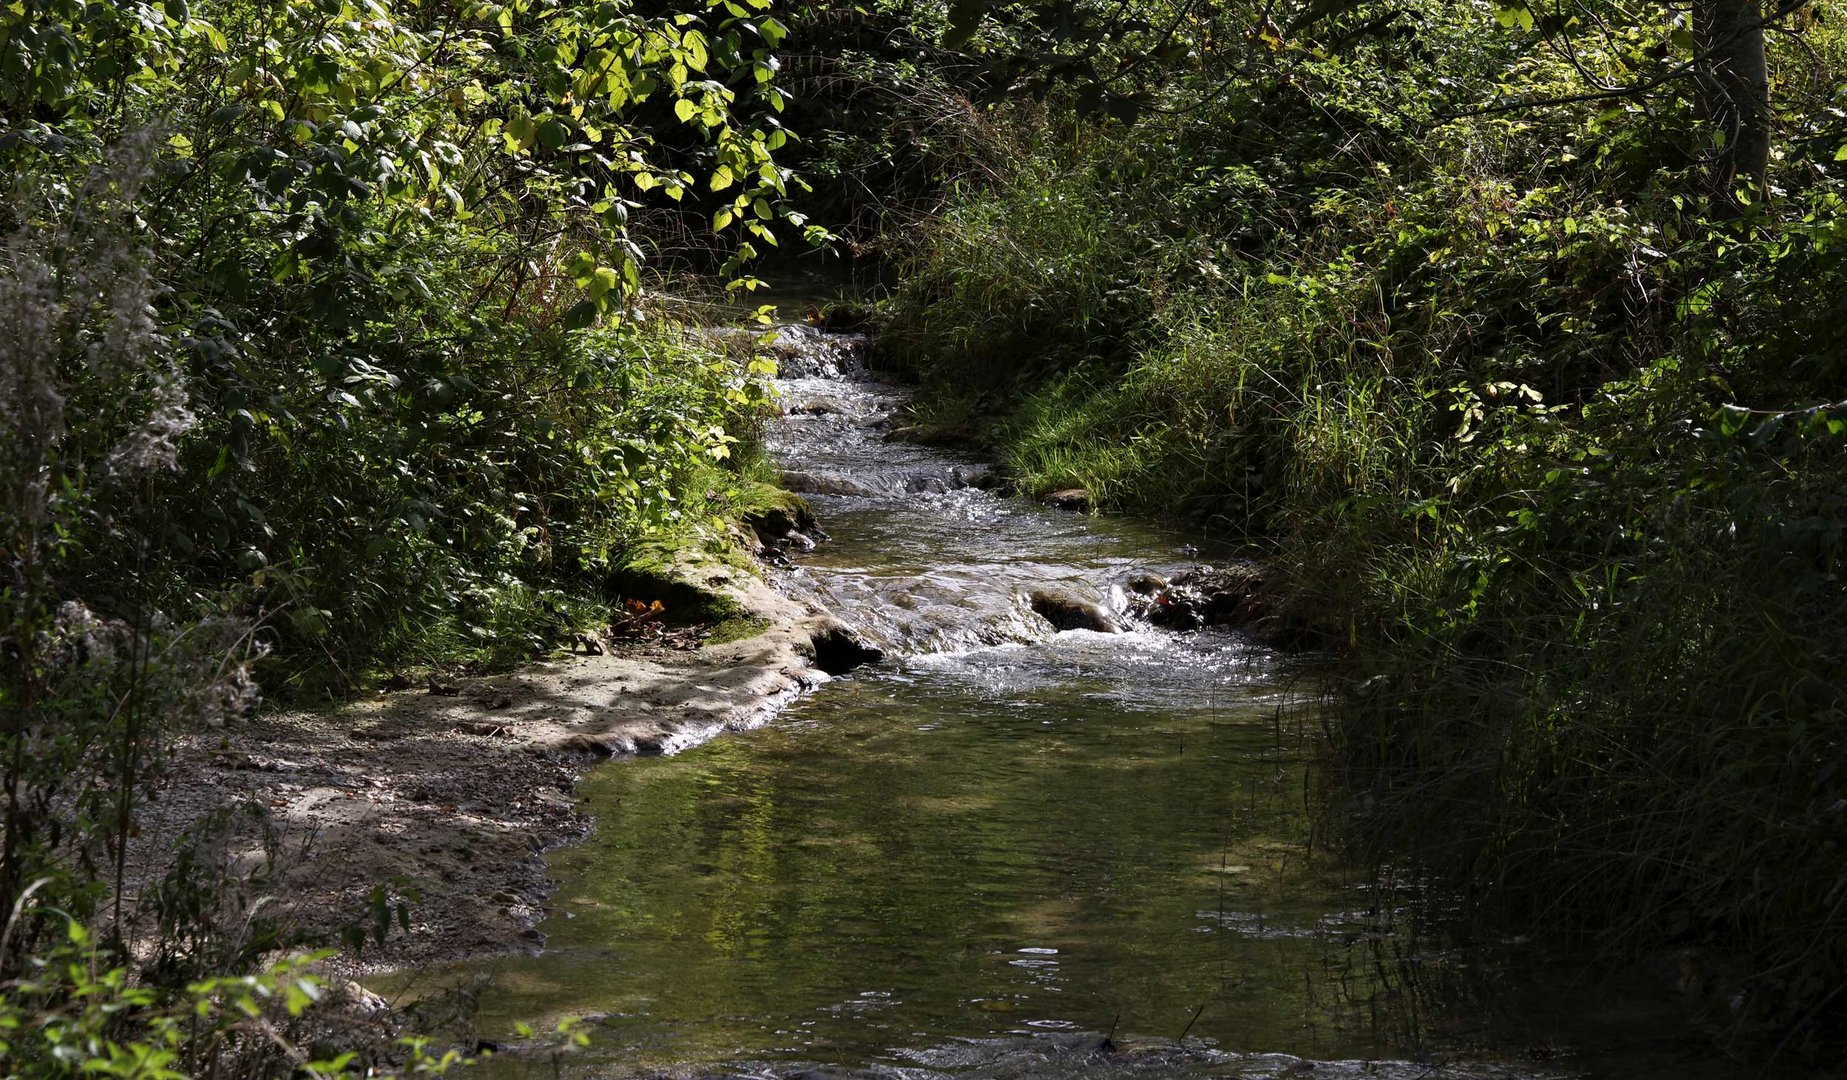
<point>447,795</point>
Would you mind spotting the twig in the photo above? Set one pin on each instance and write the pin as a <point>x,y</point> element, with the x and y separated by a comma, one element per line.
<point>1190,1023</point>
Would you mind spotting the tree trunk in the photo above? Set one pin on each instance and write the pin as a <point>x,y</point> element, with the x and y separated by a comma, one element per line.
<point>1737,89</point>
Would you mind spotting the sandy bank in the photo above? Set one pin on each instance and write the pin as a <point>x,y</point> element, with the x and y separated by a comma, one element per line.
<point>449,800</point>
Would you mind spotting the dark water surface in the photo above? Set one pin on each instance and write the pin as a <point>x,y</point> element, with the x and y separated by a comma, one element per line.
<point>987,853</point>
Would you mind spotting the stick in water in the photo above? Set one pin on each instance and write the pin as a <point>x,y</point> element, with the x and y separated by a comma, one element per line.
<point>1190,1023</point>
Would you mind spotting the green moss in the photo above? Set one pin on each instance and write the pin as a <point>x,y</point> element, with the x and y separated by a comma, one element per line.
<point>737,628</point>
<point>686,578</point>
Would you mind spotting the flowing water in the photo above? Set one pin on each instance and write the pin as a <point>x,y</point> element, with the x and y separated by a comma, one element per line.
<point>1008,851</point>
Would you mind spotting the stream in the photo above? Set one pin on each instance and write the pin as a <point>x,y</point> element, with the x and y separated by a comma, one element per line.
<point>1010,851</point>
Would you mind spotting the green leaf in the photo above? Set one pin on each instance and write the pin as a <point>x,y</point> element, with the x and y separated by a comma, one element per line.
<point>523,131</point>
<point>581,315</point>
<point>1123,108</point>
<point>964,20</point>
<point>1514,15</point>
<point>603,282</point>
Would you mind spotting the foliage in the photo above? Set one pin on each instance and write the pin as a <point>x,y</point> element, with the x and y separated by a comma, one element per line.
<point>77,1014</point>
<point>329,351</point>
<point>1545,433</point>
<point>380,234</point>
<point>83,695</point>
<point>887,116</point>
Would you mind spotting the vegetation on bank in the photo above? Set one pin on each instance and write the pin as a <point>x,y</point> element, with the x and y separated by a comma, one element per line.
<point>326,355</point>
<point>1526,364</point>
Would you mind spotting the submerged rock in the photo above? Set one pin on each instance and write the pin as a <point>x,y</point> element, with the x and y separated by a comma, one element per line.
<point>810,352</point>
<point>954,478</point>
<point>810,408</point>
<point>1147,583</point>
<point>891,483</point>
<point>823,484</point>
<point>1237,596</point>
<point>975,476</point>
<point>354,998</point>
<point>842,317</point>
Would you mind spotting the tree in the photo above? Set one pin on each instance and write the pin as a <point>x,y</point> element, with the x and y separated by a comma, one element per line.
<point>1736,84</point>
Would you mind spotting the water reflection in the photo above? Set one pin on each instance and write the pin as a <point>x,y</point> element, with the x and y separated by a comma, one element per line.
<point>976,846</point>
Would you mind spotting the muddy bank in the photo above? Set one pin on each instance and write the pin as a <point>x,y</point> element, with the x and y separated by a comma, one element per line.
<point>448,799</point>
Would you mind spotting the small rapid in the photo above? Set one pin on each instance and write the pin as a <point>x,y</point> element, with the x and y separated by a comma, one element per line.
<point>925,557</point>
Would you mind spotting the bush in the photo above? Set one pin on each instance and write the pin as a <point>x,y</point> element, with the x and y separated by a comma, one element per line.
<point>327,353</point>
<point>1549,445</point>
<point>369,288</point>
<point>78,1012</point>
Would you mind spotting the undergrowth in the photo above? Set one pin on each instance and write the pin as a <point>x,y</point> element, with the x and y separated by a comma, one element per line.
<point>1549,444</point>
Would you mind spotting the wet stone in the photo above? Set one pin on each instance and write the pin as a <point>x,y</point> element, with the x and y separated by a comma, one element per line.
<point>803,483</point>
<point>1072,613</point>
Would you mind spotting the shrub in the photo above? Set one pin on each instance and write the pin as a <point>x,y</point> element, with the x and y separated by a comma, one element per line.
<point>1545,439</point>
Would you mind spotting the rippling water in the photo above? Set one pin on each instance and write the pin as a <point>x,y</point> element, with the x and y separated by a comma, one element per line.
<point>1012,852</point>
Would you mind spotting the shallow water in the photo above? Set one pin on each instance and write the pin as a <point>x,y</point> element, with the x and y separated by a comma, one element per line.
<point>1012,852</point>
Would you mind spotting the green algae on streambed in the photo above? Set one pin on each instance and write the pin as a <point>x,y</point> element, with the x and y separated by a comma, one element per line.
<point>987,853</point>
